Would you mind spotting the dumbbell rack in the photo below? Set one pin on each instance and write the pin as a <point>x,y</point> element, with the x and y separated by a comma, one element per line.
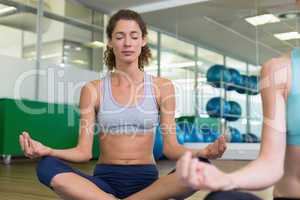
<point>235,151</point>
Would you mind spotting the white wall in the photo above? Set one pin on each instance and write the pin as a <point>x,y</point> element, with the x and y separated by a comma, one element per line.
<point>56,84</point>
<point>63,84</point>
<point>16,79</point>
<point>185,99</point>
<point>10,40</point>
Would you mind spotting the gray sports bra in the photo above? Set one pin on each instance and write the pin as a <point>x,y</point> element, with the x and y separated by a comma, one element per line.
<point>113,118</point>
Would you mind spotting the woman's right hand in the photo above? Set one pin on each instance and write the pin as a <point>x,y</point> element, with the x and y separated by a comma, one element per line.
<point>31,148</point>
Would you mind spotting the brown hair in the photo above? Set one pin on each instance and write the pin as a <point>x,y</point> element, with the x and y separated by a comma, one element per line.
<point>109,56</point>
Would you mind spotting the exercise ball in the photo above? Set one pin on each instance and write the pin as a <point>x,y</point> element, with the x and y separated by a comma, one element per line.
<point>242,84</point>
<point>158,144</point>
<point>235,111</point>
<point>211,136</point>
<point>196,135</point>
<point>253,85</point>
<point>187,138</point>
<point>216,74</point>
<point>180,135</point>
<point>235,135</point>
<point>185,126</point>
<point>235,78</point>
<point>205,129</point>
<point>250,138</point>
<point>213,107</point>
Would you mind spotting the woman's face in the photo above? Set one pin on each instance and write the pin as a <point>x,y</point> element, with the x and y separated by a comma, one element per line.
<point>127,41</point>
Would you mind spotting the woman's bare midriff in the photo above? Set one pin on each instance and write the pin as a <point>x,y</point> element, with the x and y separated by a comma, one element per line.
<point>126,149</point>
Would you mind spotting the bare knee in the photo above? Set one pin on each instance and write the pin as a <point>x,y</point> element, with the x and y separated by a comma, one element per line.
<point>59,181</point>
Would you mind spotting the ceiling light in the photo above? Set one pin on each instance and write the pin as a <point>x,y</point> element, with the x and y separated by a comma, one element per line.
<point>78,48</point>
<point>287,36</point>
<point>67,46</point>
<point>95,44</point>
<point>7,10</point>
<point>80,62</point>
<point>289,15</point>
<point>262,19</point>
<point>62,65</point>
<point>52,55</point>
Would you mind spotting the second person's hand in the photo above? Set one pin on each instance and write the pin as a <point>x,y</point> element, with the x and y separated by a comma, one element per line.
<point>202,176</point>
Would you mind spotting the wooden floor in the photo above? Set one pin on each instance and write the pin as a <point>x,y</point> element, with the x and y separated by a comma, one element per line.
<point>18,180</point>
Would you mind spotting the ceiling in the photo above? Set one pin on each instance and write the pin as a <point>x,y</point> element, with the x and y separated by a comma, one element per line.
<point>216,24</point>
<point>109,6</point>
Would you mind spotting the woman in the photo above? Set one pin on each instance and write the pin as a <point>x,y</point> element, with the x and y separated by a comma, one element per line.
<point>278,161</point>
<point>126,106</point>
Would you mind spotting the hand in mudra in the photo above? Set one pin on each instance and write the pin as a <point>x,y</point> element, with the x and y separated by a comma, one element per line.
<point>215,149</point>
<point>202,176</point>
<point>32,148</point>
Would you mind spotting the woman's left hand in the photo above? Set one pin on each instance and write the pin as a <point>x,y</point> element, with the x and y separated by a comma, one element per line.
<point>214,150</point>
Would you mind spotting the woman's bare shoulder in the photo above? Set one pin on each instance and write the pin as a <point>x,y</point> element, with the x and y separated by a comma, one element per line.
<point>161,81</point>
<point>276,71</point>
<point>277,66</point>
